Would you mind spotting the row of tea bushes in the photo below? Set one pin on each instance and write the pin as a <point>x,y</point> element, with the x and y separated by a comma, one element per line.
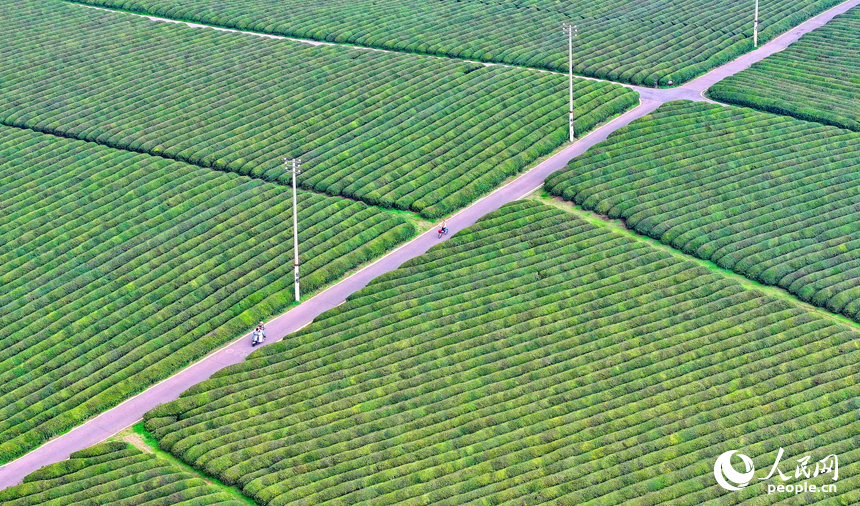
<point>816,79</point>
<point>120,268</point>
<point>114,474</point>
<point>770,197</point>
<point>533,358</point>
<point>415,133</point>
<point>635,42</point>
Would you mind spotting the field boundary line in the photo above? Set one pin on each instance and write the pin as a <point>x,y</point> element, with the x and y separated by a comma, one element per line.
<point>618,226</point>
<point>197,24</point>
<point>70,137</point>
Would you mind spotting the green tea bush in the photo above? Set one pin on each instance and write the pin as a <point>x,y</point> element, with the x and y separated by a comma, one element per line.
<point>392,130</point>
<point>531,358</point>
<point>771,198</point>
<point>640,43</point>
<point>121,268</point>
<point>815,79</point>
<point>114,473</point>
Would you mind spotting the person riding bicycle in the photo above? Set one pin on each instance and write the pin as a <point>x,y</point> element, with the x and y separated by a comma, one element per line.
<point>443,228</point>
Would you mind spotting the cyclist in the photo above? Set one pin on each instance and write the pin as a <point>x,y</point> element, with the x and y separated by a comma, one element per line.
<point>443,228</point>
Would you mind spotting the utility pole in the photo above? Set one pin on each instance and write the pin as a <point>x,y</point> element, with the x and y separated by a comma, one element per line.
<point>755,26</point>
<point>570,32</point>
<point>296,163</point>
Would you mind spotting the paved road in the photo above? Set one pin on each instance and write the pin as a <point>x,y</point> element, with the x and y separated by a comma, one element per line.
<point>130,411</point>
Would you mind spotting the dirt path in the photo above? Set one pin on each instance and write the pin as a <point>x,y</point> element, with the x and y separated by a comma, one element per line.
<point>138,443</point>
<point>125,414</point>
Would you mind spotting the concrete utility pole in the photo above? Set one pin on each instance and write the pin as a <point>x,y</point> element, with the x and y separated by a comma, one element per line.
<point>755,26</point>
<point>296,163</point>
<point>570,32</point>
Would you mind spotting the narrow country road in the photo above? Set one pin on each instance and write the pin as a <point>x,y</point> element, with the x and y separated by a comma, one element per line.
<point>105,425</point>
<point>112,421</point>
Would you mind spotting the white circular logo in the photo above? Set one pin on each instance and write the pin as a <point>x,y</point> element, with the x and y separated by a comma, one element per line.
<point>723,470</point>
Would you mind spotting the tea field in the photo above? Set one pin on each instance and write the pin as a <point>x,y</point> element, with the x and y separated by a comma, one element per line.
<point>115,474</point>
<point>427,135</point>
<point>120,268</point>
<point>634,42</point>
<point>770,197</point>
<point>533,358</point>
<point>817,78</point>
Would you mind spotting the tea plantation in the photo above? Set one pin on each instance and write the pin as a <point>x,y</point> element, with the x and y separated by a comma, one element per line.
<point>120,268</point>
<point>115,474</point>
<point>396,130</point>
<point>533,358</point>
<point>816,78</point>
<point>635,42</point>
<point>770,197</point>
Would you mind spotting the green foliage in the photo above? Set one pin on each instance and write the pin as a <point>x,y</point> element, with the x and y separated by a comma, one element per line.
<point>115,474</point>
<point>772,198</point>
<point>531,358</point>
<point>423,134</point>
<point>120,268</point>
<point>816,79</point>
<point>635,42</point>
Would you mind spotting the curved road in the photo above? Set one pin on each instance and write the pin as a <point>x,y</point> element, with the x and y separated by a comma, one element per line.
<point>125,414</point>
